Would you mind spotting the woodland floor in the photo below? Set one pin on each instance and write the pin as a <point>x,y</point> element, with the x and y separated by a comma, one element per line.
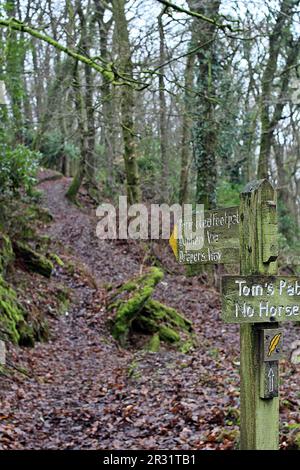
<point>80,390</point>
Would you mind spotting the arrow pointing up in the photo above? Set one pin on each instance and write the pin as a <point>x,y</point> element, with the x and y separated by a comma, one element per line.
<point>271,376</point>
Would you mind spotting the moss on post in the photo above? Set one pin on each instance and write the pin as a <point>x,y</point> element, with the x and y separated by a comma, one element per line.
<point>259,418</point>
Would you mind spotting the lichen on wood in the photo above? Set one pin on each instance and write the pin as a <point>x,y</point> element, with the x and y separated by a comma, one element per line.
<point>134,311</point>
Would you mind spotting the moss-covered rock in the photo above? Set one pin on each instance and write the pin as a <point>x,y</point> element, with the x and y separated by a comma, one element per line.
<point>34,261</point>
<point>163,320</point>
<point>21,218</point>
<point>168,334</point>
<point>13,317</point>
<point>37,213</point>
<point>6,253</point>
<point>169,315</point>
<point>135,311</point>
<point>128,301</point>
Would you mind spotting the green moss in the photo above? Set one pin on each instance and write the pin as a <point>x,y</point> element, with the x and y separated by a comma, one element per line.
<point>170,315</point>
<point>56,259</point>
<point>168,334</point>
<point>12,316</point>
<point>42,242</point>
<point>63,296</point>
<point>186,346</point>
<point>74,186</point>
<point>154,344</point>
<point>140,289</point>
<point>149,279</point>
<point>146,324</point>
<point>21,229</point>
<point>38,213</point>
<point>135,311</point>
<point>128,287</point>
<point>34,261</point>
<point>70,267</point>
<point>6,253</point>
<point>133,370</point>
<point>127,313</point>
<point>40,330</point>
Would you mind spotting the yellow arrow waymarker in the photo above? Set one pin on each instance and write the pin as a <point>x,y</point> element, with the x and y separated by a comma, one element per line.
<point>174,242</point>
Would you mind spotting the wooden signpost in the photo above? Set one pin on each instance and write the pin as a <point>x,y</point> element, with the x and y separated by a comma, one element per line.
<point>258,256</point>
<point>220,242</point>
<point>258,300</point>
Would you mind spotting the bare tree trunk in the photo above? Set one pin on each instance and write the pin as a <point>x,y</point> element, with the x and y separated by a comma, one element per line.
<point>90,160</point>
<point>268,123</point>
<point>186,130</point>
<point>205,132</point>
<point>127,103</point>
<point>38,81</point>
<point>79,106</point>
<point>108,136</point>
<point>15,56</point>
<point>163,109</point>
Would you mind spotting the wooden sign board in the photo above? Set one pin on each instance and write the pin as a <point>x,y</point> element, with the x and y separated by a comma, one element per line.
<point>256,299</point>
<point>220,239</point>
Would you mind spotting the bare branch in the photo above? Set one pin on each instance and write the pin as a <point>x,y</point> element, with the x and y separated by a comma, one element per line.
<point>212,21</point>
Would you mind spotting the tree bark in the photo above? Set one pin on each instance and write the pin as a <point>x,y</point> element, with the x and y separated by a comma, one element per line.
<point>90,160</point>
<point>127,103</point>
<point>186,130</point>
<point>163,110</point>
<point>268,122</point>
<point>205,132</point>
<point>109,125</point>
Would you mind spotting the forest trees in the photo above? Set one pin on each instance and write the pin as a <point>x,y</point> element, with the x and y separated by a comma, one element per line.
<point>170,101</point>
<point>280,39</point>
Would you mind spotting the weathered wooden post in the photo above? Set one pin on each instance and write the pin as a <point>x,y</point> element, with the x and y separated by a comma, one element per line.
<point>257,299</point>
<point>258,255</point>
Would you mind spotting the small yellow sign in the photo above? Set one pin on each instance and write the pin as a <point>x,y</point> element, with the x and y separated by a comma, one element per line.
<point>274,343</point>
<point>173,241</point>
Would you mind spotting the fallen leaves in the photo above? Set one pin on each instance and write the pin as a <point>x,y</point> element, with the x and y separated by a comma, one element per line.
<point>84,392</point>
